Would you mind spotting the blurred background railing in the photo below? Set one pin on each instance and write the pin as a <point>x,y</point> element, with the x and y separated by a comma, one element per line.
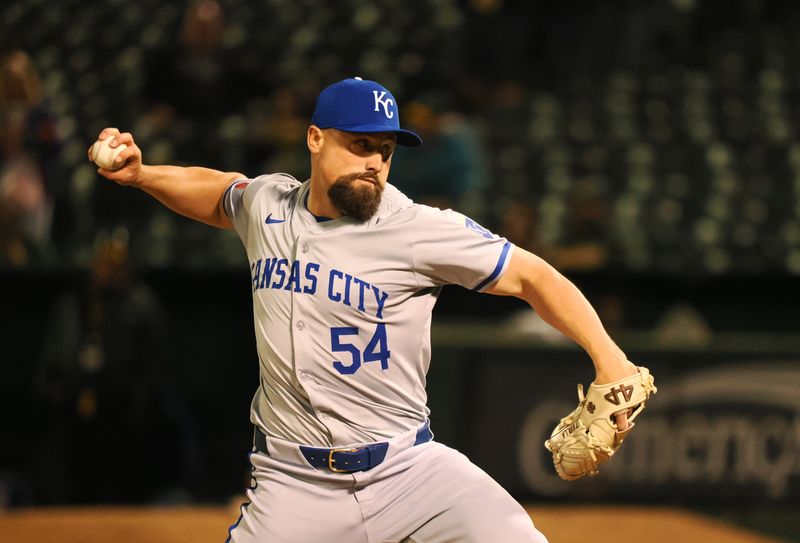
<point>628,136</point>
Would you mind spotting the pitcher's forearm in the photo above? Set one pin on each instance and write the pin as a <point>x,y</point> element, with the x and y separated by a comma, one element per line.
<point>193,192</point>
<point>562,305</point>
<point>559,303</point>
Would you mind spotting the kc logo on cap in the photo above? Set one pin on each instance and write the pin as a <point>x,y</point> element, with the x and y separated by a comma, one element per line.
<point>360,105</point>
<point>379,101</point>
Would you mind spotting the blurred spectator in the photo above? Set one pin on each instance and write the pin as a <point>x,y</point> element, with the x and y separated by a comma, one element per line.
<point>29,158</point>
<point>519,224</point>
<point>585,245</point>
<point>578,245</point>
<point>537,81</point>
<point>277,133</point>
<point>110,415</point>
<point>197,81</point>
<point>682,324</point>
<point>449,165</point>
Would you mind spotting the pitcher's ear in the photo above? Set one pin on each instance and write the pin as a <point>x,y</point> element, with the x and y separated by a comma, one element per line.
<point>315,138</point>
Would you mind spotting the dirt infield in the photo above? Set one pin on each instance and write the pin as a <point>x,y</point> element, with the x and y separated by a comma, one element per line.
<point>568,524</point>
<point>561,524</point>
<point>120,525</point>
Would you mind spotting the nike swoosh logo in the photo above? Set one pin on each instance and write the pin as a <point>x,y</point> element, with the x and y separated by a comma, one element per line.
<point>270,220</point>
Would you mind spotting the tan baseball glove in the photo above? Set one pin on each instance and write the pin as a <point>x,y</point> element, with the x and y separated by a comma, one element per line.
<point>588,436</point>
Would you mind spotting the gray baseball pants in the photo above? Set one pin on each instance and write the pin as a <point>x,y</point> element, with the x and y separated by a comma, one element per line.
<point>428,493</point>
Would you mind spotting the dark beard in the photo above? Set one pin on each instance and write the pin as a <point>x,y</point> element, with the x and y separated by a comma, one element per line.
<point>356,201</point>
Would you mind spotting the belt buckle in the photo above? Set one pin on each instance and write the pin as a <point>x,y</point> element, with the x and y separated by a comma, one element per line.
<point>332,461</point>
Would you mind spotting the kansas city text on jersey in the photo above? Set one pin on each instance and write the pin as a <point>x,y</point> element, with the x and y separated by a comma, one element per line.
<point>302,277</point>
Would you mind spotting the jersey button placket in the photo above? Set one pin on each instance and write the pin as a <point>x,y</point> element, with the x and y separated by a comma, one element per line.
<point>303,375</point>
<point>300,325</point>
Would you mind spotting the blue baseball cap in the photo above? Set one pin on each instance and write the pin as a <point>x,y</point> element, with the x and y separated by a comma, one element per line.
<point>359,105</point>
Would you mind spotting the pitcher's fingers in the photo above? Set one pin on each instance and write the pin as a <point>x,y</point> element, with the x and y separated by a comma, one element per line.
<point>622,420</point>
<point>125,154</point>
<point>124,137</point>
<point>108,132</point>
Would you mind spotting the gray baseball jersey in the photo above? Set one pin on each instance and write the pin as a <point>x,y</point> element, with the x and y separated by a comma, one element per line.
<point>342,309</point>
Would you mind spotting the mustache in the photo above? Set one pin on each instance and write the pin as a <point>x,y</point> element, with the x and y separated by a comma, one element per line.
<point>362,175</point>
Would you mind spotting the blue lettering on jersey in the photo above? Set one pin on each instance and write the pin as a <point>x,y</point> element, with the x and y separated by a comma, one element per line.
<point>380,297</point>
<point>342,286</point>
<point>475,227</point>
<point>294,277</point>
<point>311,274</point>
<point>347,280</point>
<point>302,277</point>
<point>361,285</point>
<point>266,272</point>
<point>334,296</point>
<point>279,270</point>
<point>255,270</point>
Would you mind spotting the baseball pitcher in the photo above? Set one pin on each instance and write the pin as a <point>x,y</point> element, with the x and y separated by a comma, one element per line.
<point>345,271</point>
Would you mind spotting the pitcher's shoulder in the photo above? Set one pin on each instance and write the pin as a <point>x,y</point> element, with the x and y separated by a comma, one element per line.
<point>393,202</point>
<point>278,183</point>
<point>273,186</point>
<point>425,214</point>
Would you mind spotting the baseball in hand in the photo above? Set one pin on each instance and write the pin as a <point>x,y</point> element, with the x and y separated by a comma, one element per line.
<point>104,156</point>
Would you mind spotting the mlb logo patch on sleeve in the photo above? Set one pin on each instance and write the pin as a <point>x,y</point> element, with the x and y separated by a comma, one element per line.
<point>475,227</point>
<point>460,218</point>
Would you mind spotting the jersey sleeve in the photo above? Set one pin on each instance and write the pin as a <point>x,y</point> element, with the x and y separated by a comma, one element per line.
<point>451,248</point>
<point>234,204</point>
<point>240,197</point>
